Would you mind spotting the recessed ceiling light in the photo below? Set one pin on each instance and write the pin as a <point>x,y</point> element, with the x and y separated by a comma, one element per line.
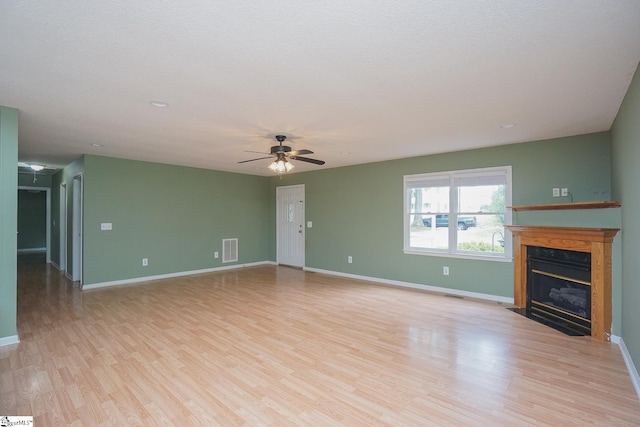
<point>93,144</point>
<point>346,153</point>
<point>159,104</point>
<point>507,125</point>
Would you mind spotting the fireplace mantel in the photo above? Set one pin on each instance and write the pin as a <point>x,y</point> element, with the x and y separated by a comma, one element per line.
<point>596,241</point>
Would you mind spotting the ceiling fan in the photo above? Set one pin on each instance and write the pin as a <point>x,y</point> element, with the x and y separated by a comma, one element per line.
<point>32,168</point>
<point>283,154</point>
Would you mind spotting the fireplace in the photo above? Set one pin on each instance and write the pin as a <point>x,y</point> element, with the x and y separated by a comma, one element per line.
<point>571,264</point>
<point>559,289</point>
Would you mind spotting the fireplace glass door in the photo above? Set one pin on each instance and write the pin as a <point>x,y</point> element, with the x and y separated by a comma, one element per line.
<point>559,288</point>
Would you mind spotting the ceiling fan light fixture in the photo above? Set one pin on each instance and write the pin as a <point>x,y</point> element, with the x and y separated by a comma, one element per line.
<point>281,166</point>
<point>283,153</point>
<point>36,168</point>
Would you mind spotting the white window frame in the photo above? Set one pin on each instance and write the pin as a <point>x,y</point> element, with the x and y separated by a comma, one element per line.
<point>452,177</point>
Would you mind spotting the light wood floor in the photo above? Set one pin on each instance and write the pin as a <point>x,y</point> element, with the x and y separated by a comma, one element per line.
<point>277,346</point>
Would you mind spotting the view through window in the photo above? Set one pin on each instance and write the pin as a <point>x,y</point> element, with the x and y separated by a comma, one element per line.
<point>458,212</point>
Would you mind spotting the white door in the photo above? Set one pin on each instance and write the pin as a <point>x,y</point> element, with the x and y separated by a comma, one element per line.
<point>290,225</point>
<point>77,230</point>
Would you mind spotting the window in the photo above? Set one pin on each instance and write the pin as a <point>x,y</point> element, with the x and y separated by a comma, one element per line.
<point>458,213</point>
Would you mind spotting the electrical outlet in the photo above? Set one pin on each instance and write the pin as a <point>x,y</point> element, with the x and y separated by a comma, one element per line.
<point>445,270</point>
<point>216,254</point>
<point>349,259</point>
<point>145,262</point>
<point>564,192</point>
<point>556,192</point>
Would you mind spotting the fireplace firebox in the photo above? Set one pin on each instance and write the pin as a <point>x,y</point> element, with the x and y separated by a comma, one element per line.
<point>559,289</point>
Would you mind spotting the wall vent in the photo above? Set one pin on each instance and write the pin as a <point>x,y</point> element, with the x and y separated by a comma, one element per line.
<point>229,250</point>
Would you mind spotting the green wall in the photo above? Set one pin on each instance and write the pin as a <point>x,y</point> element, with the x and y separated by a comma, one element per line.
<point>358,210</point>
<point>26,180</point>
<point>175,216</point>
<point>625,135</point>
<point>32,219</point>
<point>8,221</point>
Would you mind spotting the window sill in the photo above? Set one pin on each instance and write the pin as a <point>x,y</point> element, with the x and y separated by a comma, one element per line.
<point>456,255</point>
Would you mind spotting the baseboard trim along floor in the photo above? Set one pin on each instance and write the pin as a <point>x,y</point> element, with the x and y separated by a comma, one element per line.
<point>171,275</point>
<point>430,288</point>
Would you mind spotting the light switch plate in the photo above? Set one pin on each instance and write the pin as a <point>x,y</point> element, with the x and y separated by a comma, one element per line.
<point>106,226</point>
<point>309,224</point>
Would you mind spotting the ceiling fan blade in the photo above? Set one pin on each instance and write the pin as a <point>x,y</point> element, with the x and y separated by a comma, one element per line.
<point>308,160</point>
<point>296,152</point>
<point>253,160</point>
<point>259,152</point>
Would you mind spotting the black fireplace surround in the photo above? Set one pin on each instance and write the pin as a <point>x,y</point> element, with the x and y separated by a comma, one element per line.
<point>559,289</point>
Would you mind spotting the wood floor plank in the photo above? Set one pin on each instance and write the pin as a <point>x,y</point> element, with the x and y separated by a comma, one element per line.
<point>278,346</point>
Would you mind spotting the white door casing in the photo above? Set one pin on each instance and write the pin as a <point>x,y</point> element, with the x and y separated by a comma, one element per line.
<point>290,232</point>
<point>77,228</point>
<point>63,227</point>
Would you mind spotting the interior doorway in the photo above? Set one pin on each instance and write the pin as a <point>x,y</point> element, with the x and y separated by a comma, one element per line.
<point>34,207</point>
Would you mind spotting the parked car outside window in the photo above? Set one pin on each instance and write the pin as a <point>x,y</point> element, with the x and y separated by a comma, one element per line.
<point>442,220</point>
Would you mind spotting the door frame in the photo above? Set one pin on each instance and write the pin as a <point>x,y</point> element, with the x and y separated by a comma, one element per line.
<point>63,227</point>
<point>278,225</point>
<point>77,228</point>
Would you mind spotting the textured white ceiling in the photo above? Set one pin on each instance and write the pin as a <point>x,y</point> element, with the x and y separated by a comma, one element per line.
<point>377,79</point>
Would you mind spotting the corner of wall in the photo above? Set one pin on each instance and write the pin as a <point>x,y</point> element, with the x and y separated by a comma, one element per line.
<point>8,222</point>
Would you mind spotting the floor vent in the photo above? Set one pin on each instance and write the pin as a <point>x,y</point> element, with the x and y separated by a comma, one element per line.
<point>229,250</point>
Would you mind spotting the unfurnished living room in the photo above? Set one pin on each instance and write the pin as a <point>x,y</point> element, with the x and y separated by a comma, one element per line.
<point>337,213</point>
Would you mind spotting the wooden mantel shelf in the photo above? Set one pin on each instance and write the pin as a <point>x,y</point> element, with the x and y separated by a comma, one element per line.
<point>596,241</point>
<point>557,236</point>
<point>561,206</point>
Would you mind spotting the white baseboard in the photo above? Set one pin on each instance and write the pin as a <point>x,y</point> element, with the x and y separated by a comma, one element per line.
<point>57,267</point>
<point>10,340</point>
<point>171,275</point>
<point>32,251</point>
<point>437,289</point>
<point>633,372</point>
